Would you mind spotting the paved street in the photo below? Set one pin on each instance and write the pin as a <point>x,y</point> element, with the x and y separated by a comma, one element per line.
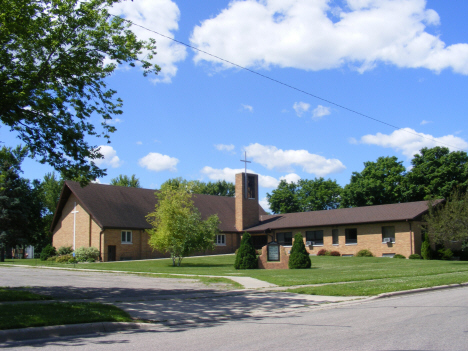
<point>426,321</point>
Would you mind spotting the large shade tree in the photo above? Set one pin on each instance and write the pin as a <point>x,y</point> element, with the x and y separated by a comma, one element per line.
<point>380,182</point>
<point>436,172</point>
<point>54,58</point>
<point>218,188</point>
<point>124,180</point>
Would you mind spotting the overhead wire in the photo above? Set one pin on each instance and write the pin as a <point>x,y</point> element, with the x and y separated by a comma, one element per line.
<point>288,85</point>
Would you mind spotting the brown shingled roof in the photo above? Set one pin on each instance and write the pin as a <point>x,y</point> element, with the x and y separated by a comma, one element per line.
<point>342,216</point>
<point>126,208</point>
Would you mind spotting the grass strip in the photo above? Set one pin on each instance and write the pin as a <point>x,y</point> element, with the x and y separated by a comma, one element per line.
<point>375,287</point>
<point>25,315</point>
<point>9,294</point>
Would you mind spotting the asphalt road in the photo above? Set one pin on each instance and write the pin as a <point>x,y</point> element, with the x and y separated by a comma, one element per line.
<point>426,321</point>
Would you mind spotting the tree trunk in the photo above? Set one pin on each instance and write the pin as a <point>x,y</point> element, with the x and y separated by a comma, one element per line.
<point>2,254</point>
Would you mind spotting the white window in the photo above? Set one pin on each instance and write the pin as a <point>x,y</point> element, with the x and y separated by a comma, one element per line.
<point>388,234</point>
<point>221,240</point>
<point>126,236</point>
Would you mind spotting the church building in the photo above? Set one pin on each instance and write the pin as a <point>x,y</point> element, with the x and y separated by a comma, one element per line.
<point>113,219</point>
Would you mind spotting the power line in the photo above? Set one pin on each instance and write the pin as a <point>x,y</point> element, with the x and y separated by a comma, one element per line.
<point>287,85</point>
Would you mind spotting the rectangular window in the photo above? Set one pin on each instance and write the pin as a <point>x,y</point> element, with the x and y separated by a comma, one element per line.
<point>221,240</point>
<point>316,236</point>
<point>126,236</point>
<point>335,236</point>
<point>351,236</point>
<point>284,239</point>
<point>251,187</point>
<point>388,234</point>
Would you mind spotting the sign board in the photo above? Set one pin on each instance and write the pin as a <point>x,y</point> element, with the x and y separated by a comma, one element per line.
<point>273,251</point>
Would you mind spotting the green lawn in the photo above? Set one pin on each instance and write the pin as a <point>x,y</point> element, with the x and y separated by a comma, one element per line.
<point>9,294</point>
<point>25,315</point>
<point>324,269</point>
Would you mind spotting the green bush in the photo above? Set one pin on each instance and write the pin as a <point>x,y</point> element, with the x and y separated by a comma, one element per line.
<point>47,252</point>
<point>63,258</point>
<point>398,256</point>
<point>246,257</point>
<point>64,250</point>
<point>91,260</point>
<point>299,257</point>
<point>82,254</point>
<point>72,260</point>
<point>414,257</point>
<point>335,253</point>
<point>364,253</point>
<point>323,252</point>
<point>445,254</point>
<point>426,252</point>
<point>52,259</point>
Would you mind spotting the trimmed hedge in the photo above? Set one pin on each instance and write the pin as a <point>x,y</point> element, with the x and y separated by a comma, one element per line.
<point>48,251</point>
<point>364,253</point>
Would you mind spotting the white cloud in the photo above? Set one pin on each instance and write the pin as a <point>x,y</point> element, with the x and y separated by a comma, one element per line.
<point>300,108</point>
<point>247,107</point>
<point>223,147</point>
<point>229,175</point>
<point>320,111</point>
<point>139,143</point>
<point>312,35</point>
<point>265,204</point>
<point>158,162</point>
<point>423,122</point>
<point>273,158</point>
<point>110,157</point>
<point>409,142</point>
<point>162,16</point>
<point>291,178</point>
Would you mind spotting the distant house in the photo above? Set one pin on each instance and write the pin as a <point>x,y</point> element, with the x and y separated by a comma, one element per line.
<point>112,218</point>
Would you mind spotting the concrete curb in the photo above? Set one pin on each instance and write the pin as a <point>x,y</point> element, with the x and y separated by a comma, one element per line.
<point>420,290</point>
<point>66,330</point>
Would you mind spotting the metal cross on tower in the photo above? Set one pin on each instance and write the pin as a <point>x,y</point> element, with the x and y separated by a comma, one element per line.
<point>245,174</point>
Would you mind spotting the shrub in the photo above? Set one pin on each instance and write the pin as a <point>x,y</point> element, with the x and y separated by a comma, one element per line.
<point>246,257</point>
<point>63,258</point>
<point>64,250</point>
<point>91,260</point>
<point>82,254</point>
<point>398,256</point>
<point>445,254</point>
<point>323,252</point>
<point>72,260</point>
<point>364,253</point>
<point>335,253</point>
<point>47,252</point>
<point>51,259</point>
<point>426,248</point>
<point>299,257</point>
<point>414,257</point>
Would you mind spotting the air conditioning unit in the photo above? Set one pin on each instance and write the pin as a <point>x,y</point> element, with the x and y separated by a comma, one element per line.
<point>387,240</point>
<point>309,243</point>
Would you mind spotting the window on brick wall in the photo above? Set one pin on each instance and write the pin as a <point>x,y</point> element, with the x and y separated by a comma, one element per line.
<point>220,240</point>
<point>126,236</point>
<point>351,236</point>
<point>284,239</point>
<point>335,236</point>
<point>316,236</point>
<point>389,233</point>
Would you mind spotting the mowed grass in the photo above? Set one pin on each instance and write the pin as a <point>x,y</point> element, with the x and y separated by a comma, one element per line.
<point>324,270</point>
<point>9,294</point>
<point>25,315</point>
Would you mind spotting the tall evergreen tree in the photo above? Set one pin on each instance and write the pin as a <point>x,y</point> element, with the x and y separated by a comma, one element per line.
<point>299,257</point>
<point>246,257</point>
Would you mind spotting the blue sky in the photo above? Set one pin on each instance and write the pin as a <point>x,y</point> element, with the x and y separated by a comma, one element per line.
<point>404,62</point>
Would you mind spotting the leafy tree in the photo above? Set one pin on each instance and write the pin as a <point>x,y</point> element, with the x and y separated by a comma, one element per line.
<point>449,221</point>
<point>284,198</point>
<point>436,173</point>
<point>21,210</point>
<point>426,252</point>
<point>177,227</point>
<point>55,59</point>
<point>318,194</point>
<point>299,257</point>
<point>124,180</point>
<point>305,195</point>
<point>246,257</point>
<point>380,182</point>
<point>219,188</point>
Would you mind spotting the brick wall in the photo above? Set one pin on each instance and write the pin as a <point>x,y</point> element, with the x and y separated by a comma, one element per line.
<point>247,212</point>
<point>369,237</point>
<point>87,231</point>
